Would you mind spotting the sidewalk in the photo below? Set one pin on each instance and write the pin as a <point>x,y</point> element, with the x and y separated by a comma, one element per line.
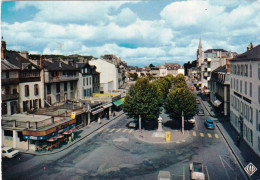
<point>244,154</point>
<point>84,132</point>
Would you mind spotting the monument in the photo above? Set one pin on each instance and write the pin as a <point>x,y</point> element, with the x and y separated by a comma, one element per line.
<point>160,132</point>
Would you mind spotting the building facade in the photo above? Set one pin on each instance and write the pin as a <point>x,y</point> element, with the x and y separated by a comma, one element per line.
<point>245,96</point>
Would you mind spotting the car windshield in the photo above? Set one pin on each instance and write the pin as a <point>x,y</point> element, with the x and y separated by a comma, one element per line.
<point>210,122</point>
<point>197,167</point>
<point>10,150</point>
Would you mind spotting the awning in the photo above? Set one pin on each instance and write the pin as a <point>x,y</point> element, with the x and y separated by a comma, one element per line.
<point>118,102</point>
<point>97,111</point>
<point>107,105</point>
<point>217,103</point>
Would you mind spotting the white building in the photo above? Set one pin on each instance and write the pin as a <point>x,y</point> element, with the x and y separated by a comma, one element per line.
<point>108,75</point>
<point>245,96</point>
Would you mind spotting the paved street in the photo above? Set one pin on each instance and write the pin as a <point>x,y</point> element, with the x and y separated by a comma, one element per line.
<point>114,153</point>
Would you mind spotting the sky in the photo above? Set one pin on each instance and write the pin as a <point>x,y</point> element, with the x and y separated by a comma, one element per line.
<point>140,32</point>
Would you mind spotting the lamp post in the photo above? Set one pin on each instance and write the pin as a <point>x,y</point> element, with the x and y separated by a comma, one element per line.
<point>140,128</point>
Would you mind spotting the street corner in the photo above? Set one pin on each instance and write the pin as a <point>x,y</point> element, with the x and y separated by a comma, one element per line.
<point>167,136</point>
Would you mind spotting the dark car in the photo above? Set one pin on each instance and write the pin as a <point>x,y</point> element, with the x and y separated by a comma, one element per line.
<point>201,112</point>
<point>209,124</point>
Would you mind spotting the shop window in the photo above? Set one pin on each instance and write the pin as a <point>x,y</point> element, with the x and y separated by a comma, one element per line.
<point>26,90</point>
<point>36,89</point>
<point>48,88</point>
<point>20,136</point>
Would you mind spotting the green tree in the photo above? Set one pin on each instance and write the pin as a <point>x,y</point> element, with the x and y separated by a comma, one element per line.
<point>151,65</point>
<point>133,76</point>
<point>142,99</point>
<point>178,101</point>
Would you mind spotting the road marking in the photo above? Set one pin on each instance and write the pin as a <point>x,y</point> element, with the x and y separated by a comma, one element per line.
<point>201,134</point>
<point>209,135</point>
<point>112,130</point>
<point>216,136</point>
<point>183,140</point>
<point>207,172</point>
<point>118,130</point>
<point>124,130</point>
<point>130,131</point>
<point>178,142</point>
<point>194,133</point>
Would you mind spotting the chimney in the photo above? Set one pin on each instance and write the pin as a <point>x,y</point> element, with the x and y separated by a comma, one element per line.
<point>59,64</point>
<point>41,63</point>
<point>250,46</point>
<point>24,54</point>
<point>3,49</point>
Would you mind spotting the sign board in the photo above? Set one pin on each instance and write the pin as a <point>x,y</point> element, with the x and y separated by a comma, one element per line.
<point>73,115</point>
<point>250,169</point>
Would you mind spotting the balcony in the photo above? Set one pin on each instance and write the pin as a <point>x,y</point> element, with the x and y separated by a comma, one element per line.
<point>10,81</point>
<point>29,79</point>
<point>209,69</point>
<point>6,97</point>
<point>60,79</point>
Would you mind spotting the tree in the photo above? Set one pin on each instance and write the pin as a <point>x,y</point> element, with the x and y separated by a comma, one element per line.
<point>151,65</point>
<point>142,99</point>
<point>179,82</point>
<point>133,76</point>
<point>180,100</point>
<point>162,85</point>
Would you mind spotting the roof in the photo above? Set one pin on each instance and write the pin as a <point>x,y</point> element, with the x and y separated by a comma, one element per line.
<point>16,59</point>
<point>92,67</point>
<point>221,69</point>
<point>251,54</point>
<point>58,65</point>
<point>211,50</point>
<point>6,66</point>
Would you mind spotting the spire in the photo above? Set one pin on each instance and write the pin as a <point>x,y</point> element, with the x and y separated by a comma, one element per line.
<point>200,45</point>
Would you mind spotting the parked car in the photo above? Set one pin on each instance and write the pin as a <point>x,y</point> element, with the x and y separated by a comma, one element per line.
<point>196,171</point>
<point>164,175</point>
<point>209,124</point>
<point>192,120</point>
<point>132,124</point>
<point>201,112</point>
<point>197,101</point>
<point>9,152</point>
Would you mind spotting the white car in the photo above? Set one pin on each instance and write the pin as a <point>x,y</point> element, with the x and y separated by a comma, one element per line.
<point>164,175</point>
<point>9,152</point>
<point>132,124</point>
<point>196,171</point>
<point>192,120</point>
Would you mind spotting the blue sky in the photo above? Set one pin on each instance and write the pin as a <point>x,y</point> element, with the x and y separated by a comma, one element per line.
<point>140,32</point>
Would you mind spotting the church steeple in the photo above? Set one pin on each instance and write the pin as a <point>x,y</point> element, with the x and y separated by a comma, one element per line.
<point>200,45</point>
<point>199,54</point>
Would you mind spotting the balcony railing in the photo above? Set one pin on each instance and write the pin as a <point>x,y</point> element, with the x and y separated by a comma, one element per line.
<point>10,81</point>
<point>6,97</point>
<point>29,79</point>
<point>61,78</point>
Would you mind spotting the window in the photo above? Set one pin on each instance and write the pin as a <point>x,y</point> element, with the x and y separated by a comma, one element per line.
<point>235,69</point>
<point>65,86</point>
<point>246,70</point>
<point>4,108</point>
<point>83,81</point>
<point>259,94</point>
<point>71,85</point>
<point>87,81</point>
<point>237,85</point>
<point>7,75</point>
<point>48,88</point>
<point>26,90</point>
<point>241,86</point>
<point>238,69</point>
<point>58,98</point>
<point>242,70</point>
<point>250,89</point>
<point>231,83</point>
<point>256,119</point>
<point>36,89</point>
<point>259,71</point>
<point>246,87</point>
<point>251,115</point>
<point>57,87</point>
<point>250,70</point>
<point>85,92</point>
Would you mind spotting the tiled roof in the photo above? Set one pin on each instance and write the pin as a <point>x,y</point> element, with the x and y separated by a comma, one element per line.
<point>16,59</point>
<point>251,54</point>
<point>6,66</point>
<point>211,50</point>
<point>58,65</point>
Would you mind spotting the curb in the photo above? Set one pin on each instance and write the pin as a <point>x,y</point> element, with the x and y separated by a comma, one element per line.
<point>43,154</point>
<point>150,142</point>
<point>207,109</point>
<point>232,150</point>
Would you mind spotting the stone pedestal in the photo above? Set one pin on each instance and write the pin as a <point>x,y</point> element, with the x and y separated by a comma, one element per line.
<point>160,132</point>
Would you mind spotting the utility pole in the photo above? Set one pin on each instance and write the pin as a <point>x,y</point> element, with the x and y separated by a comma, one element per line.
<point>140,124</point>
<point>182,123</point>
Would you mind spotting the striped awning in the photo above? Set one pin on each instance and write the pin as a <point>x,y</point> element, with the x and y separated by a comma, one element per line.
<point>107,105</point>
<point>97,111</point>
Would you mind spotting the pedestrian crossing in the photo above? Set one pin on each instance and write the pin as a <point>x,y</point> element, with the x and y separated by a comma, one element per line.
<point>204,135</point>
<point>120,130</point>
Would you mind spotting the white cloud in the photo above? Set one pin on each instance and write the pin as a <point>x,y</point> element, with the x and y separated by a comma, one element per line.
<point>125,17</point>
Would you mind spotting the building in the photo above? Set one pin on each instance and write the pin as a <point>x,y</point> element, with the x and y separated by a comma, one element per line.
<point>31,93</point>
<point>88,82</point>
<point>108,75</point>
<point>220,90</point>
<point>245,96</point>
<point>9,87</point>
